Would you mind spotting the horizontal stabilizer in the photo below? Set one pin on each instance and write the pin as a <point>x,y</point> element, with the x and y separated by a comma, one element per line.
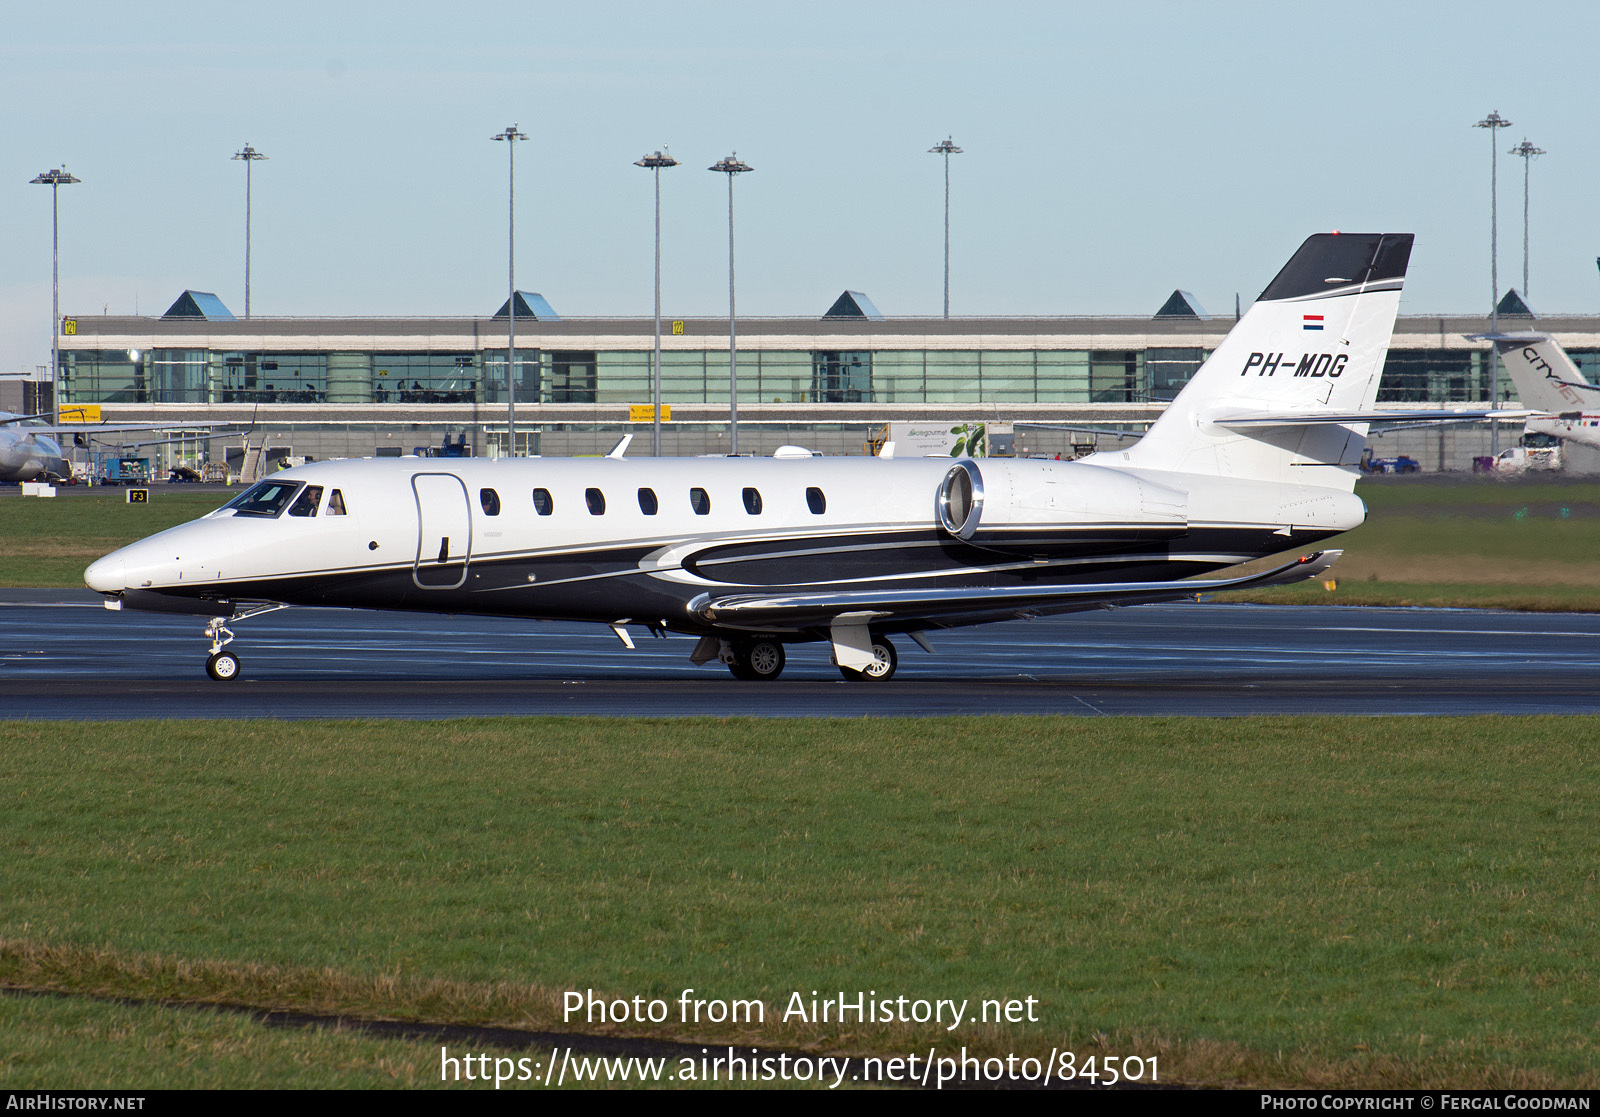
<point>1247,420</point>
<point>799,610</point>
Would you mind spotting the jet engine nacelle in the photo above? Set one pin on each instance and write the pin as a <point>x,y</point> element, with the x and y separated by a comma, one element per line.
<point>1001,494</point>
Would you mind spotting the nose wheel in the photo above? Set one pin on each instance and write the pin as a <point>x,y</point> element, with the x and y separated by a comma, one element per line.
<point>223,666</point>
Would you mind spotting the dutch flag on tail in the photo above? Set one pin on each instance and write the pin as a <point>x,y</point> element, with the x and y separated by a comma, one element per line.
<point>1311,321</point>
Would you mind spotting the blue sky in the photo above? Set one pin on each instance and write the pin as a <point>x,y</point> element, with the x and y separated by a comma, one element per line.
<point>1112,152</point>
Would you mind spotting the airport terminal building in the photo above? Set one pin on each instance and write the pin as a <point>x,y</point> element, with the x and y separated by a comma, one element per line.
<point>341,387</point>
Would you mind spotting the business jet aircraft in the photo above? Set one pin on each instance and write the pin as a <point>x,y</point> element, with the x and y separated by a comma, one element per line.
<point>1256,456</point>
<point>1546,380</point>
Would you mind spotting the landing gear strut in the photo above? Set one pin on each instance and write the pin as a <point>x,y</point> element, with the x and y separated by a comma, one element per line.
<point>754,660</point>
<point>224,666</point>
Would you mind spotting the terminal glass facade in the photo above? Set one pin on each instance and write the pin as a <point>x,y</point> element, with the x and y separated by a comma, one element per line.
<point>887,376</point>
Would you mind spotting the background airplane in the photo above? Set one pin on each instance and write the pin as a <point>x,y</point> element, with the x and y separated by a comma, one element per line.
<point>1546,380</point>
<point>30,448</point>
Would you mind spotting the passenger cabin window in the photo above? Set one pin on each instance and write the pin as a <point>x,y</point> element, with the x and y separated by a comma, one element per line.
<point>306,505</point>
<point>335,503</point>
<point>647,502</point>
<point>700,501</point>
<point>752,502</point>
<point>542,503</point>
<point>816,501</point>
<point>596,501</point>
<point>490,501</point>
<point>265,498</point>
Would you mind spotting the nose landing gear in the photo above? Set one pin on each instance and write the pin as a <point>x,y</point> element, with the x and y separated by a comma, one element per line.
<point>221,665</point>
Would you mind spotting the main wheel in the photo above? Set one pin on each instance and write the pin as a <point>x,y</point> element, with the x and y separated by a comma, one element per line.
<point>883,664</point>
<point>765,659</point>
<point>757,660</point>
<point>223,666</point>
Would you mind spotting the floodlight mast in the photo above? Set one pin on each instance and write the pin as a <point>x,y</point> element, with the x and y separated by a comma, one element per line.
<point>732,166</point>
<point>55,179</point>
<point>654,162</point>
<point>249,155</point>
<point>1529,153</point>
<point>946,148</point>
<point>510,137</point>
<point>1493,121</point>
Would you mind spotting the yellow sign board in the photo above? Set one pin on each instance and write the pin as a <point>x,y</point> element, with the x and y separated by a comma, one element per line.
<point>80,413</point>
<point>69,326</point>
<point>138,496</point>
<point>677,327</point>
<point>641,413</point>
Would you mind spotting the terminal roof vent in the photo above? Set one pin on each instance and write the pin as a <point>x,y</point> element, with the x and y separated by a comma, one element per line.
<point>1181,304</point>
<point>530,304</point>
<point>199,304</point>
<point>1514,306</point>
<point>853,304</point>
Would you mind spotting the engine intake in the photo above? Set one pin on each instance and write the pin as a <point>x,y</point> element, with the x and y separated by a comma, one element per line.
<point>960,502</point>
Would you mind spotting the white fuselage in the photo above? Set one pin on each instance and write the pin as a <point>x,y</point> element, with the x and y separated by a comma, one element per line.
<point>603,539</point>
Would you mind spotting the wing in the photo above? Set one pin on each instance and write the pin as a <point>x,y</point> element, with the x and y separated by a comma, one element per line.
<point>911,609</point>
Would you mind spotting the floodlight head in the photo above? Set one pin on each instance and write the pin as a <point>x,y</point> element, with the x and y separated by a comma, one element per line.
<point>510,135</point>
<point>656,160</point>
<point>249,154</point>
<point>1493,120</point>
<point>944,147</point>
<point>58,177</point>
<point>731,165</point>
<point>1526,150</point>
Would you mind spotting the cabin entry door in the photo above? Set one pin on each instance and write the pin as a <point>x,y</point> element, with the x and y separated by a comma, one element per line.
<point>444,531</point>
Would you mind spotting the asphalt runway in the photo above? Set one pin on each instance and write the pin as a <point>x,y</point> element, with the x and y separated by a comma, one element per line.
<point>64,656</point>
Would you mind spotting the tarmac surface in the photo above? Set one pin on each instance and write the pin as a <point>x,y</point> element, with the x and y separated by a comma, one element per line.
<point>63,656</point>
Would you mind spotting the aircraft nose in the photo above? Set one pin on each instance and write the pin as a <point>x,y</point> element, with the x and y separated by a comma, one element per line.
<point>107,575</point>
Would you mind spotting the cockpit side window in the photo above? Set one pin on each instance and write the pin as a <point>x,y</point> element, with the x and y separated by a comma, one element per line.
<point>490,501</point>
<point>335,503</point>
<point>265,498</point>
<point>306,505</point>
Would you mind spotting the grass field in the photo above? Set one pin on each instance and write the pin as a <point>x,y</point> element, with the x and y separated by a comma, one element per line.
<point>1523,544</point>
<point>1290,901</point>
<point>49,542</point>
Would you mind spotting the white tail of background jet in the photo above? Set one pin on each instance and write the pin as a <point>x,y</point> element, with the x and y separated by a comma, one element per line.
<point>1288,394</point>
<point>1543,374</point>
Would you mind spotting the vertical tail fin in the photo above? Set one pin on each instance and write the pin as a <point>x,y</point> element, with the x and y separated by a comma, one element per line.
<point>1543,373</point>
<point>1315,341</point>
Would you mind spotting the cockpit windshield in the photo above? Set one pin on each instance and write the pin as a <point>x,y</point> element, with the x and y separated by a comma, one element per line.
<point>265,498</point>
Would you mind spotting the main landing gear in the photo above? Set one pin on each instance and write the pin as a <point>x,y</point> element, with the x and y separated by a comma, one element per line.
<point>758,660</point>
<point>884,661</point>
<point>221,665</point>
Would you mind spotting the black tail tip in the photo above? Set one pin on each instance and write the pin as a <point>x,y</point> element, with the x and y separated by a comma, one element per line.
<point>1327,262</point>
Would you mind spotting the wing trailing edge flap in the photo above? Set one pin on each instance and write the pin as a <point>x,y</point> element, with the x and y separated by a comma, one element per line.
<point>859,609</point>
